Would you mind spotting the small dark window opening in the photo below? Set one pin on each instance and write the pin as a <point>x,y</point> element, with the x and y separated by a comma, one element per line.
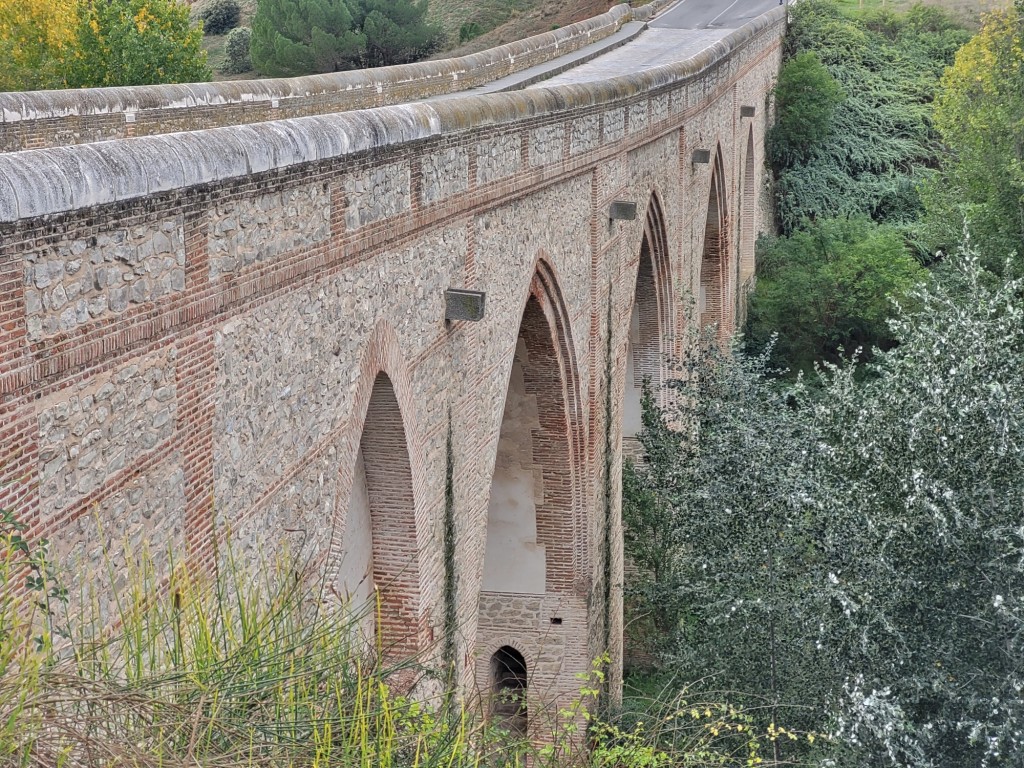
<point>508,698</point>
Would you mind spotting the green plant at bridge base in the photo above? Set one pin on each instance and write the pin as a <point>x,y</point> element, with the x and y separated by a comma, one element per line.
<point>830,287</point>
<point>260,666</point>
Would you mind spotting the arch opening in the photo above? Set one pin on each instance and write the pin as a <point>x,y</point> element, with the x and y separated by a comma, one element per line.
<point>536,582</point>
<point>649,323</point>
<point>379,569</point>
<point>529,547</point>
<point>715,280</point>
<point>748,214</point>
<point>509,678</point>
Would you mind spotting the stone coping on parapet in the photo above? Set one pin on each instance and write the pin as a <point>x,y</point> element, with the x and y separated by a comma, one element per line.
<point>59,179</point>
<point>314,94</point>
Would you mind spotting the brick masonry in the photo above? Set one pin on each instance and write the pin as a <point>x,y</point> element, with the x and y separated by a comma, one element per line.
<point>291,317</point>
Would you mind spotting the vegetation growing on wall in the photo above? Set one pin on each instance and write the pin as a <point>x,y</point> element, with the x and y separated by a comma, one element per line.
<point>449,650</point>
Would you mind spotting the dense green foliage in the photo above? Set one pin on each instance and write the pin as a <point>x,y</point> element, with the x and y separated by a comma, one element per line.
<point>62,43</point>
<point>236,51</point>
<point>852,551</point>
<point>35,37</point>
<point>297,37</point>
<point>135,42</point>
<point>219,16</point>
<point>397,31</point>
<point>980,114</point>
<point>852,141</point>
<point>806,96</point>
<point>888,66</point>
<point>828,288</point>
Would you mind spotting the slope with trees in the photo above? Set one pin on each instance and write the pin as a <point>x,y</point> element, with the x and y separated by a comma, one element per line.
<point>844,549</point>
<point>980,116</point>
<point>853,139</point>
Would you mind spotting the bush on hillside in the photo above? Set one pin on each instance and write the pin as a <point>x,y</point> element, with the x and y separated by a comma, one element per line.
<point>218,16</point>
<point>236,49</point>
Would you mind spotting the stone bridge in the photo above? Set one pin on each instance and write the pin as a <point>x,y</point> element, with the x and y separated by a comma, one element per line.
<point>223,316</point>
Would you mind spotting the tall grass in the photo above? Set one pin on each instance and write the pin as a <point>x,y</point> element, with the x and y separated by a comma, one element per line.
<point>258,665</point>
<point>219,670</point>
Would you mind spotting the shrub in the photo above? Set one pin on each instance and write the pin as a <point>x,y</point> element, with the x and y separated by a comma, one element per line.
<point>469,30</point>
<point>219,16</point>
<point>237,51</point>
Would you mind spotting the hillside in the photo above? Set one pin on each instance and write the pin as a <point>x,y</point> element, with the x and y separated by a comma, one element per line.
<point>494,22</point>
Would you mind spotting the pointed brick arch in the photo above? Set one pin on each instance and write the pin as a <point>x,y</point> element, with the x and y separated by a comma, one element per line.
<point>717,307</point>
<point>650,320</point>
<point>747,226</point>
<point>535,578</point>
<point>377,551</point>
<point>539,451</point>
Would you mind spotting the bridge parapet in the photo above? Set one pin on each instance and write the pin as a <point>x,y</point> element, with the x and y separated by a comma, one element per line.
<point>42,182</point>
<point>30,120</point>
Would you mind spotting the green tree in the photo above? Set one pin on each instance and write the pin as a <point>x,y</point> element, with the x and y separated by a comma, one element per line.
<point>396,31</point>
<point>980,114</point>
<point>880,141</point>
<point>298,37</point>
<point>35,36</point>
<point>136,42</point>
<point>829,288</point>
<point>806,96</point>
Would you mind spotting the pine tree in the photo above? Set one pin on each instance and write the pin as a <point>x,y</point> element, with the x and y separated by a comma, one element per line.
<point>396,31</point>
<point>298,37</point>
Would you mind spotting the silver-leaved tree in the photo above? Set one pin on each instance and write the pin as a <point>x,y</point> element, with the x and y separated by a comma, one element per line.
<point>849,552</point>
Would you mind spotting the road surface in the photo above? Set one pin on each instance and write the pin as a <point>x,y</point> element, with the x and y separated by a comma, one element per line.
<point>711,14</point>
<point>682,31</point>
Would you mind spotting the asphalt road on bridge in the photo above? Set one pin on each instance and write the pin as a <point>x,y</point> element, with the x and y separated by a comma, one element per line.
<point>682,31</point>
<point>712,14</point>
